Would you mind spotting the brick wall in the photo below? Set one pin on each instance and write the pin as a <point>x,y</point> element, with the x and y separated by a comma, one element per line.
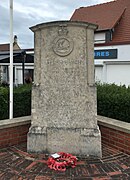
<point>115,134</point>
<point>115,138</point>
<point>13,132</point>
<point>13,135</point>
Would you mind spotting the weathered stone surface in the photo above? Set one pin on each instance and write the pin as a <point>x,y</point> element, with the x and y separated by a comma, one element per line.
<point>64,95</point>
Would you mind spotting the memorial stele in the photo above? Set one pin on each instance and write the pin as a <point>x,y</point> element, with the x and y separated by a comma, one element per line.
<point>64,108</point>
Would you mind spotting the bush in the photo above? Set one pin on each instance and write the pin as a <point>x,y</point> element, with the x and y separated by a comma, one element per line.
<point>4,102</point>
<point>113,101</point>
<point>21,101</point>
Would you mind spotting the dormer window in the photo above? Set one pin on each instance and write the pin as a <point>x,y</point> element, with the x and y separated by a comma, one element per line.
<point>103,37</point>
<point>99,37</point>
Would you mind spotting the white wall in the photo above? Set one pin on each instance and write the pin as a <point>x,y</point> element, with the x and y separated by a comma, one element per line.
<point>114,70</point>
<point>98,74</point>
<point>113,73</point>
<point>118,74</point>
<point>19,76</point>
<point>123,52</point>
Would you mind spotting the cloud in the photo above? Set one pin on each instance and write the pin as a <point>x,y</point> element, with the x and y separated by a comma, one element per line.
<point>29,13</point>
<point>4,23</point>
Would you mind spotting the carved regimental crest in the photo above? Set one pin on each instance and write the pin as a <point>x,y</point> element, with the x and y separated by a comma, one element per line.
<point>63,44</point>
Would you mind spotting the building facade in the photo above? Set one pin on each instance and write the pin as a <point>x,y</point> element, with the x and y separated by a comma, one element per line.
<point>23,66</point>
<point>23,63</point>
<point>112,39</point>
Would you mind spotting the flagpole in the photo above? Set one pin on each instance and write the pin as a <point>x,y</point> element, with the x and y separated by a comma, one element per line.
<point>11,61</point>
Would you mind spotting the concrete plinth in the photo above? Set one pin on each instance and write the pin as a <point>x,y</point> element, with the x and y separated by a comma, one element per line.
<point>75,141</point>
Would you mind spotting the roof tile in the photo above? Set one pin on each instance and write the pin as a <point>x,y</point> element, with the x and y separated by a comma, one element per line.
<point>114,14</point>
<point>4,47</point>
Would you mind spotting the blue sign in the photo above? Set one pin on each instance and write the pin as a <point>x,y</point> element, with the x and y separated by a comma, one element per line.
<point>105,54</point>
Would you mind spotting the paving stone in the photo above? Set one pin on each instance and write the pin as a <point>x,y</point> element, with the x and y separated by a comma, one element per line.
<point>17,164</point>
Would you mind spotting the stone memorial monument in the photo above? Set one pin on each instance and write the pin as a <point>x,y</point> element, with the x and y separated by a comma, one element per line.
<point>64,94</point>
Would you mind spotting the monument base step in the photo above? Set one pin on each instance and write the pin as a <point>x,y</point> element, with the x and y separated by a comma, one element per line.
<point>78,141</point>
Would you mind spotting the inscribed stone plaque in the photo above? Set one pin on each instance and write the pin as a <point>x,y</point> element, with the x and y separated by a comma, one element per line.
<point>64,95</point>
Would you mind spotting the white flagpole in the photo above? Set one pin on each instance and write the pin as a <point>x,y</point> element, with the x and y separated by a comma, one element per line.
<point>11,61</point>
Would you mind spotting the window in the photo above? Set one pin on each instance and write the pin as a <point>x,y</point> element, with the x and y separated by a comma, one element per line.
<point>99,38</point>
<point>29,73</point>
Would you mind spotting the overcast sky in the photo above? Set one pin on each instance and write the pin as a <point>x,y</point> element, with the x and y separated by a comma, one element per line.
<point>28,13</point>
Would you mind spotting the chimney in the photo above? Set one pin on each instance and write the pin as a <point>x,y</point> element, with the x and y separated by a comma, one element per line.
<point>15,39</point>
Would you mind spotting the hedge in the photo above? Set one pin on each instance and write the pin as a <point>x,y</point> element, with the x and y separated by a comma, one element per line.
<point>113,101</point>
<point>21,101</point>
<point>4,101</point>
